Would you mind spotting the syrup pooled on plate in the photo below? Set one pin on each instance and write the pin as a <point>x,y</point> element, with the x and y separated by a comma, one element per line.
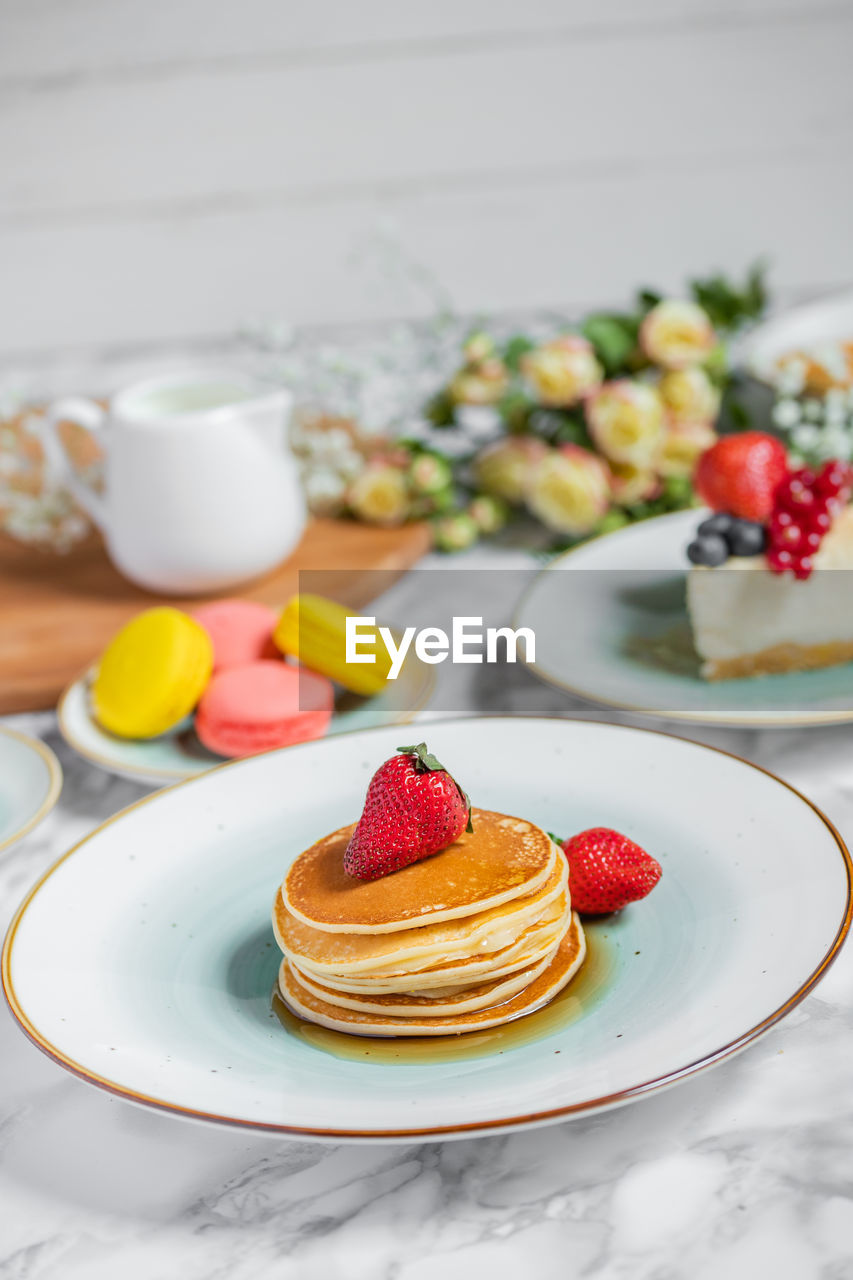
<point>588,986</point>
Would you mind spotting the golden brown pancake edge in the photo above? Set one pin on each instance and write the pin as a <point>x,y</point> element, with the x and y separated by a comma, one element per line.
<point>504,857</point>
<point>565,964</point>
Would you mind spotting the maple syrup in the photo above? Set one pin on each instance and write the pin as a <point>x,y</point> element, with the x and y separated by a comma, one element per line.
<point>573,1002</point>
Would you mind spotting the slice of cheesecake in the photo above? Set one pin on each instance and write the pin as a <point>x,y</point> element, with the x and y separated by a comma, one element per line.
<point>749,621</point>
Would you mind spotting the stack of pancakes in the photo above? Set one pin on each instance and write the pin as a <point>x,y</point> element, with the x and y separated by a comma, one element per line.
<point>472,937</point>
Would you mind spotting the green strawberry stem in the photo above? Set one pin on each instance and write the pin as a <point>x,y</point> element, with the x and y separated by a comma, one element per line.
<point>426,762</point>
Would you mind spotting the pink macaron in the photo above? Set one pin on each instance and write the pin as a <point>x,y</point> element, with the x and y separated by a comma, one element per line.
<point>262,705</point>
<point>240,630</point>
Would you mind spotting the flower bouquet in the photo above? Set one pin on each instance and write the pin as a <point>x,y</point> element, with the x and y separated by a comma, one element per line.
<point>583,431</point>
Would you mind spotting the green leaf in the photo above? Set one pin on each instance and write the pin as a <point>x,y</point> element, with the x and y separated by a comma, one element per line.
<point>613,337</point>
<point>729,305</point>
<point>515,409</point>
<point>516,347</point>
<point>615,519</point>
<point>560,426</point>
<point>440,410</point>
<point>648,298</point>
<point>739,414</point>
<point>717,365</point>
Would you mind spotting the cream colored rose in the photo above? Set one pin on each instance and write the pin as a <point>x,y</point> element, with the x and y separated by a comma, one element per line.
<point>633,484</point>
<point>676,334</point>
<point>563,371</point>
<point>689,395</point>
<point>478,347</point>
<point>626,421</point>
<point>379,495</point>
<point>504,468</point>
<point>683,445</point>
<point>570,490</point>
<point>482,383</point>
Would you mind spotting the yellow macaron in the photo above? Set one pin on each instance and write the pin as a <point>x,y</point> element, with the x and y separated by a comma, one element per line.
<point>313,629</point>
<point>152,674</point>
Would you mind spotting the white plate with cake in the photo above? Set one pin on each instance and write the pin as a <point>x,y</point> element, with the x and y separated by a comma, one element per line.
<point>740,615</point>
<point>596,936</point>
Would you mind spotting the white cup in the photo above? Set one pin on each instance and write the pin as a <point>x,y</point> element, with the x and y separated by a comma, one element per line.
<point>201,491</point>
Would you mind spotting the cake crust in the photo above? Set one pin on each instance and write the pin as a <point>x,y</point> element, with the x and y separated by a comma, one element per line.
<point>779,660</point>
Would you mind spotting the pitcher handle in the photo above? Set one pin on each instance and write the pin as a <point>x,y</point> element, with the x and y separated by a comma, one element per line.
<point>91,417</point>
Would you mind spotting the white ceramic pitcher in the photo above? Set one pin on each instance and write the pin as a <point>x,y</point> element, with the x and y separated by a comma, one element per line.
<point>200,489</point>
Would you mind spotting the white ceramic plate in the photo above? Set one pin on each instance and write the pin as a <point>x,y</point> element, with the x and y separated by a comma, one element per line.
<point>30,783</point>
<point>179,754</point>
<point>799,328</point>
<point>611,624</point>
<point>144,960</point>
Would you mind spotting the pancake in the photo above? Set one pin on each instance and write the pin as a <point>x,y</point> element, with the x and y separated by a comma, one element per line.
<point>502,859</point>
<point>487,931</point>
<point>305,1004</point>
<point>534,942</point>
<point>477,996</point>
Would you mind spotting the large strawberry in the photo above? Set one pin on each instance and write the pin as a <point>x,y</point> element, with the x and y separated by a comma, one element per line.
<point>607,871</point>
<point>413,809</point>
<point>740,474</point>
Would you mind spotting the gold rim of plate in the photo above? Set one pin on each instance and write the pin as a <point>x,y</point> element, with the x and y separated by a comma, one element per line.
<point>54,769</point>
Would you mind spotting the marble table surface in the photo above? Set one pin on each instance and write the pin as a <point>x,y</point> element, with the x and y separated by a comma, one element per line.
<point>743,1171</point>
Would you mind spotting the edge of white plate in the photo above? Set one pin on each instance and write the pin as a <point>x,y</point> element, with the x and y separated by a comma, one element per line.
<point>55,776</point>
<point>172,777</point>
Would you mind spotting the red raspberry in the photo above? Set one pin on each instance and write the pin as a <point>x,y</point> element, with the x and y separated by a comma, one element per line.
<point>820,521</point>
<point>788,534</point>
<point>833,478</point>
<point>779,560</point>
<point>804,506</point>
<point>795,493</point>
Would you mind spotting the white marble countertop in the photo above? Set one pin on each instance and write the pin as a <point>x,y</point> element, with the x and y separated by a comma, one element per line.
<point>744,1171</point>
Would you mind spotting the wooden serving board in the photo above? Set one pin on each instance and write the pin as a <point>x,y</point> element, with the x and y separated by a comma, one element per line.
<point>57,612</point>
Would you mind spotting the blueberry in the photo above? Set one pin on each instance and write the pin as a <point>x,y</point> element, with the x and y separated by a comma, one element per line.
<point>709,549</point>
<point>719,523</point>
<point>747,538</point>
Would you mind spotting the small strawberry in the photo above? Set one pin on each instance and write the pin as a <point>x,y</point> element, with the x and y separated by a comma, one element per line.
<point>413,809</point>
<point>607,871</point>
<point>740,474</point>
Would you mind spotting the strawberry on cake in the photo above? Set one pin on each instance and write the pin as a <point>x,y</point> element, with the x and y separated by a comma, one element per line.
<point>763,595</point>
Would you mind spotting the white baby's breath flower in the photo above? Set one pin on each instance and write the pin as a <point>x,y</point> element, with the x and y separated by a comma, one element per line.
<point>836,443</point>
<point>835,405</point>
<point>348,463</point>
<point>479,421</point>
<point>791,378</point>
<point>805,437</point>
<point>786,414</point>
<point>324,490</point>
<point>813,409</point>
<point>334,440</point>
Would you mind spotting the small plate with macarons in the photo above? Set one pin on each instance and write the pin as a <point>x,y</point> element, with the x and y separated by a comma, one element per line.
<point>176,693</point>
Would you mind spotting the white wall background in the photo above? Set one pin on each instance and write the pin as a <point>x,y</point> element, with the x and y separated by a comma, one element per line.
<point>172,168</point>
